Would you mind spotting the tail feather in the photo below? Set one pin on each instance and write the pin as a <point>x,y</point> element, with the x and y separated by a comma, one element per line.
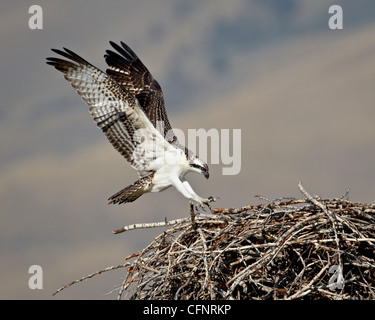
<point>128,194</point>
<point>132,192</point>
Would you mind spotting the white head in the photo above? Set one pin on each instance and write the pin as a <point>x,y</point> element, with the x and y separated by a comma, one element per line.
<point>198,165</point>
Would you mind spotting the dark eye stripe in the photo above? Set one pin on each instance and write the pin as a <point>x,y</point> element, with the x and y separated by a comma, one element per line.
<point>195,165</point>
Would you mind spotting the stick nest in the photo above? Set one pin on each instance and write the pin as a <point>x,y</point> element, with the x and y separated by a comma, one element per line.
<point>287,248</point>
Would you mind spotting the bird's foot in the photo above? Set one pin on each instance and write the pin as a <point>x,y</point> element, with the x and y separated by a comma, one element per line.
<point>205,202</point>
<point>197,204</point>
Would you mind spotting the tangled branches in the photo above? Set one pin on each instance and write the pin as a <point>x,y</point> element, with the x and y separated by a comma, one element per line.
<point>285,249</point>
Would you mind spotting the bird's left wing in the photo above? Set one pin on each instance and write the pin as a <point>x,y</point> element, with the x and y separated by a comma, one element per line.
<point>128,70</point>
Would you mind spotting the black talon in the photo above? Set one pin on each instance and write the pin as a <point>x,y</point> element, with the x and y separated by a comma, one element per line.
<point>212,199</point>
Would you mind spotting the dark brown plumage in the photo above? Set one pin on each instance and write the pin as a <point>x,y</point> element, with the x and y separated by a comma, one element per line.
<point>128,70</point>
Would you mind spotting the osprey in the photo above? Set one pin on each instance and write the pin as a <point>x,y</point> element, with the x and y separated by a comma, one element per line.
<point>127,103</point>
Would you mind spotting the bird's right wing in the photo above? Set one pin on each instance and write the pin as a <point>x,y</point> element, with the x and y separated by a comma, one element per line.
<point>116,111</point>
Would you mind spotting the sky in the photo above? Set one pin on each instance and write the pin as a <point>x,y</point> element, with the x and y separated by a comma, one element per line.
<point>300,94</point>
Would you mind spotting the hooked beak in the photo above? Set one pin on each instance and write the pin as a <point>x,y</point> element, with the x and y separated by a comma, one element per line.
<point>207,175</point>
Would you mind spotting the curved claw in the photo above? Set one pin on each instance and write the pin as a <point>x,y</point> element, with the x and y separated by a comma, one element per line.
<point>205,202</point>
<point>213,199</point>
<point>209,200</point>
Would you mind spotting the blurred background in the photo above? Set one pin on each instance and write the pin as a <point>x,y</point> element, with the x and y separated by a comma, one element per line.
<point>301,93</point>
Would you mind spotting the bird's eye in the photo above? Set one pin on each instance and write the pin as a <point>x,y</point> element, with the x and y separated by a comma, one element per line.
<point>202,169</point>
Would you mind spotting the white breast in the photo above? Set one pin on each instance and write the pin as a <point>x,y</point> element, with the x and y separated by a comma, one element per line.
<point>173,164</point>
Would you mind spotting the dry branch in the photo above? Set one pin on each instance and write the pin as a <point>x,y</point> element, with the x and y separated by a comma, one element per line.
<point>287,248</point>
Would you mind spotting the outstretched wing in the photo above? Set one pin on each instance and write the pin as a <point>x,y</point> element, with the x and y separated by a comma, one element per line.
<point>128,70</point>
<point>115,110</point>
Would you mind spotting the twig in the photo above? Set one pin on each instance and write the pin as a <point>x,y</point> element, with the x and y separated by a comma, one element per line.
<point>91,275</point>
<point>310,198</point>
<point>207,281</point>
<point>192,215</point>
<point>150,225</point>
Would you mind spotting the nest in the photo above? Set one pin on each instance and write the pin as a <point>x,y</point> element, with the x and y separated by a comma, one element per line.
<point>287,248</point>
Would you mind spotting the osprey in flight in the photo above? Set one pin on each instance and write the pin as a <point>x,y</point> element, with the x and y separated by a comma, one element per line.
<point>127,103</point>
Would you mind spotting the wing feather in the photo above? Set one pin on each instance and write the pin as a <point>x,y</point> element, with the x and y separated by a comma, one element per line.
<point>128,70</point>
<point>114,109</point>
